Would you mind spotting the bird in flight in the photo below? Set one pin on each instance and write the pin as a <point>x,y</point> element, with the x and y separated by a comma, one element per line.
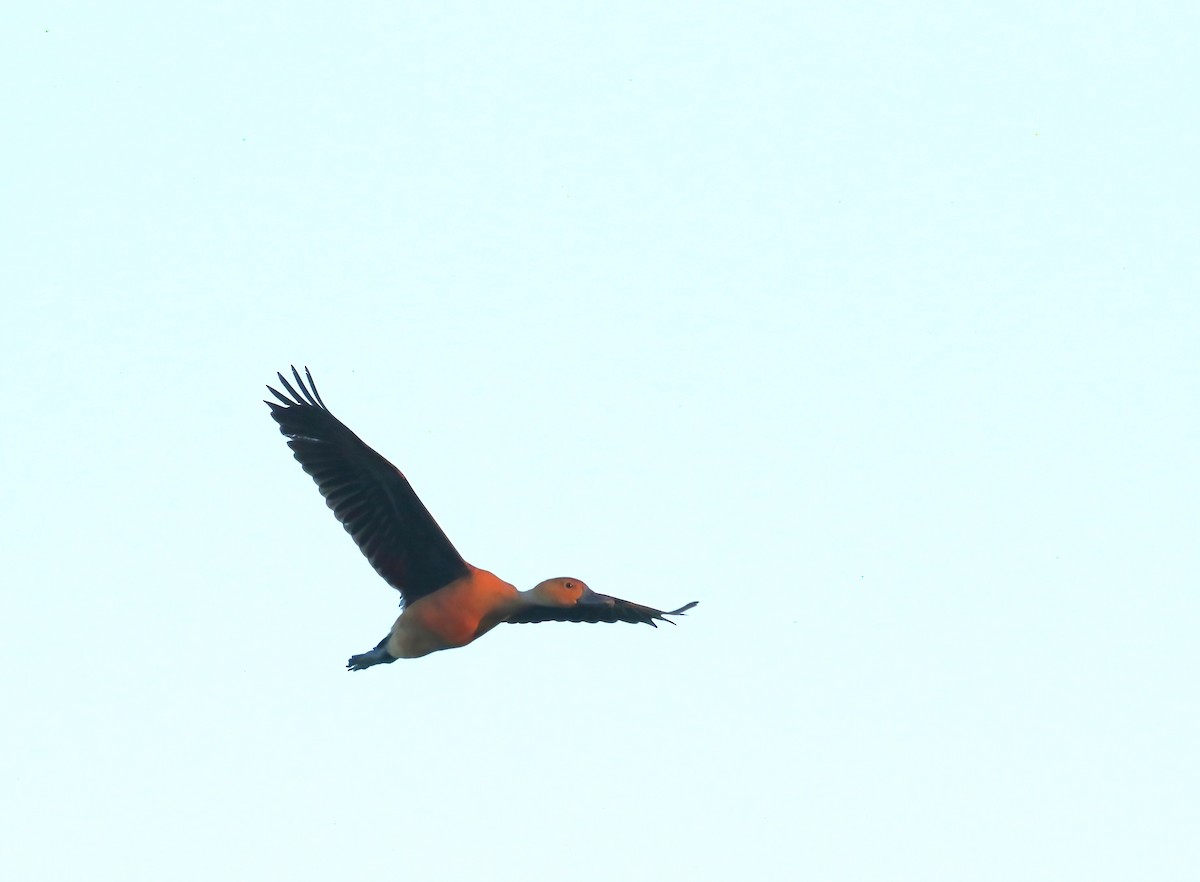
<point>446,603</point>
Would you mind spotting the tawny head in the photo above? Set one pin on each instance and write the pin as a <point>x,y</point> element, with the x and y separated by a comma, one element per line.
<point>563,591</point>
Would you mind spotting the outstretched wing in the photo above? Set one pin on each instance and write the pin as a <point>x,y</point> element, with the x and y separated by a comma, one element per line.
<point>369,495</point>
<point>598,608</point>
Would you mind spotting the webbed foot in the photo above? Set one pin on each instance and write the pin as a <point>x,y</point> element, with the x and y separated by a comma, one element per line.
<point>377,656</point>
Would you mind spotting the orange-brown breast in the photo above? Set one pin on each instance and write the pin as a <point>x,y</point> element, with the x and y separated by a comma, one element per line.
<point>452,616</point>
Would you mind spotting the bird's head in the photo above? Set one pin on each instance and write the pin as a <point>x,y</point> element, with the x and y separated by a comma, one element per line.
<point>563,591</point>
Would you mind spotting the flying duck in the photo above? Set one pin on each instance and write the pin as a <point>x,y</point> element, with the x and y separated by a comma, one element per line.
<point>446,603</point>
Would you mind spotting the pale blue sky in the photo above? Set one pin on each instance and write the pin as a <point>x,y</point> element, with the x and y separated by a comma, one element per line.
<point>873,328</point>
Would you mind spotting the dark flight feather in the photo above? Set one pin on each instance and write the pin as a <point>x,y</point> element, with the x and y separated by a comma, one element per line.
<point>603,609</point>
<point>369,496</point>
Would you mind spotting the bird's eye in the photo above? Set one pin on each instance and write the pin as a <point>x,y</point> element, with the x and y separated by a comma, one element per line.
<point>570,584</point>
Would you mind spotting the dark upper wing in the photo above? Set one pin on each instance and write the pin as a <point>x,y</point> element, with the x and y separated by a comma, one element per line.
<point>369,495</point>
<point>601,608</point>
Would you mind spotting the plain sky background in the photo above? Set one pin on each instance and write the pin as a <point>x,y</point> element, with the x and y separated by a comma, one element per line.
<point>872,327</point>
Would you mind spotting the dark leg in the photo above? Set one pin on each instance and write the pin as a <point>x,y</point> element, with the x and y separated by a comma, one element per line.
<point>377,656</point>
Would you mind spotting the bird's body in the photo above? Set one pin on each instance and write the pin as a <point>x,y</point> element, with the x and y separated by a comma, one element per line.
<point>447,602</point>
<point>454,615</point>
